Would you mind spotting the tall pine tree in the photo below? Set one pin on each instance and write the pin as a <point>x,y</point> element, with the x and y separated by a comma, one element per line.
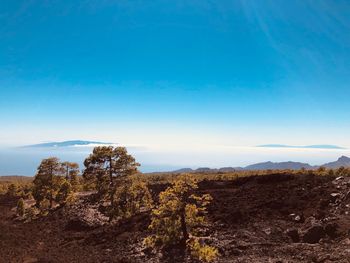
<point>71,173</point>
<point>105,167</point>
<point>48,180</point>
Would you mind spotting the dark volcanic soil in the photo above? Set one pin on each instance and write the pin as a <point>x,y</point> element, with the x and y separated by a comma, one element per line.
<point>252,219</point>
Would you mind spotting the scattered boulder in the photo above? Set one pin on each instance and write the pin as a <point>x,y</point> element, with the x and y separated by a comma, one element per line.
<point>331,229</point>
<point>347,195</point>
<point>267,231</point>
<point>83,216</point>
<point>339,178</point>
<point>334,197</point>
<point>293,234</point>
<point>310,221</point>
<point>320,214</point>
<point>323,203</point>
<point>297,218</point>
<point>313,234</point>
<point>78,225</point>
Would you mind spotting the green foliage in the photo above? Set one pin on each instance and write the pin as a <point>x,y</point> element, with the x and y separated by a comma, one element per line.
<point>102,184</point>
<point>25,191</point>
<point>342,171</point>
<point>180,213</point>
<point>3,188</point>
<point>20,207</point>
<point>32,213</point>
<point>322,171</point>
<point>106,168</point>
<point>131,198</point>
<point>72,172</point>
<point>201,251</point>
<point>47,180</point>
<point>64,193</point>
<point>53,181</point>
<point>157,178</point>
<point>44,206</point>
<point>12,190</point>
<point>22,183</point>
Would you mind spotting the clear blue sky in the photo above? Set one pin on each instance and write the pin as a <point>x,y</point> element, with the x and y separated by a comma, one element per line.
<point>159,73</point>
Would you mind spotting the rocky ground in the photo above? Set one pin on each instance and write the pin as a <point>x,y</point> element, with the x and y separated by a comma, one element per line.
<point>273,218</point>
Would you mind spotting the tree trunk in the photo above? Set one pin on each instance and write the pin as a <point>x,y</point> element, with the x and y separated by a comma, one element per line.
<point>67,172</point>
<point>112,193</point>
<point>184,226</point>
<point>111,189</point>
<point>51,186</point>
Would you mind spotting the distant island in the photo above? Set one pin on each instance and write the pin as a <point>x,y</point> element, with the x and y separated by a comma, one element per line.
<point>320,146</point>
<point>65,144</point>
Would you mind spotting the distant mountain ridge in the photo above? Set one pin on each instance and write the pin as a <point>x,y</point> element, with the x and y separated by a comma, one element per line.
<point>65,144</point>
<point>342,161</point>
<point>15,179</point>
<point>278,166</point>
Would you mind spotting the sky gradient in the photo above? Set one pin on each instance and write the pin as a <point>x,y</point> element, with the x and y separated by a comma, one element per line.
<point>175,75</point>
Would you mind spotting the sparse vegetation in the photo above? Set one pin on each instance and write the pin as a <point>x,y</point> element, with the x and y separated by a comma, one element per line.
<point>20,183</point>
<point>176,205</point>
<point>201,251</point>
<point>179,216</point>
<point>12,190</point>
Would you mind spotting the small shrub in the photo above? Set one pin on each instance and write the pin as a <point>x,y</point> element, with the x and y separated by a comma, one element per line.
<point>44,207</point>
<point>20,207</point>
<point>12,190</point>
<point>202,252</point>
<point>32,213</point>
<point>331,172</point>
<point>179,215</point>
<point>48,180</point>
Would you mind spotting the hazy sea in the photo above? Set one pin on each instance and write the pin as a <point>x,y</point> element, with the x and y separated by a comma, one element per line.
<point>24,161</point>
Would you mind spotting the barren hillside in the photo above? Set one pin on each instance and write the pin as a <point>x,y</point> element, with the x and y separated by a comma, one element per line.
<point>271,218</point>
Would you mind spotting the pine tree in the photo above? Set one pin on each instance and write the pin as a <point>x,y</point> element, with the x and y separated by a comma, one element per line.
<point>131,198</point>
<point>201,251</point>
<point>179,217</point>
<point>72,172</point>
<point>107,166</point>
<point>180,212</point>
<point>64,193</point>
<point>48,180</point>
